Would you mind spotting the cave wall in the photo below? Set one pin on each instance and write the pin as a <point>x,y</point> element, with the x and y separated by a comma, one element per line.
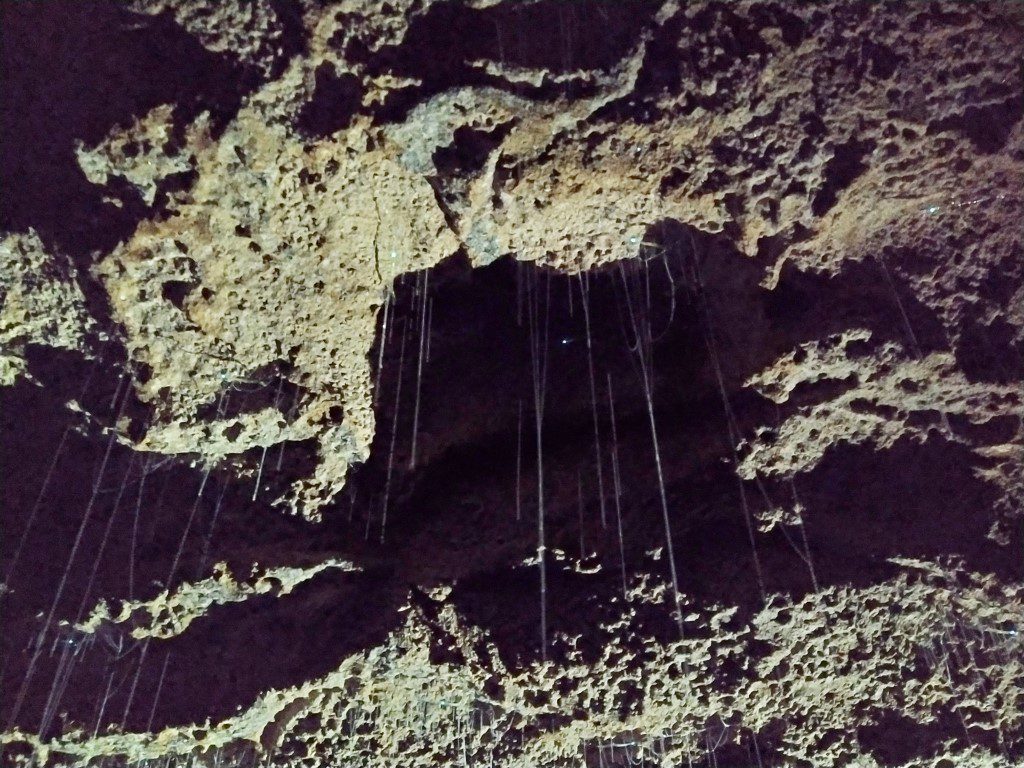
<point>511,383</point>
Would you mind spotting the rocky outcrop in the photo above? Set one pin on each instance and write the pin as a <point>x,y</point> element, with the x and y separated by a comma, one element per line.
<point>580,383</point>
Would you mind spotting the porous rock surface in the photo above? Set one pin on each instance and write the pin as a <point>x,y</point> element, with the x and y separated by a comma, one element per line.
<point>275,278</point>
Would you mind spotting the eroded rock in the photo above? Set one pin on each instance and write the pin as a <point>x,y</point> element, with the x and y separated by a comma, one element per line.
<point>761,263</point>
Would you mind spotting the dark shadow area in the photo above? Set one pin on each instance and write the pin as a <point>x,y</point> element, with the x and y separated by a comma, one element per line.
<point>987,126</point>
<point>236,652</point>
<point>86,517</point>
<point>989,352</point>
<point>809,306</point>
<point>266,387</point>
<point>466,504</point>
<point>458,40</point>
<point>700,44</point>
<point>896,739</point>
<point>462,159</point>
<point>336,99</point>
<point>846,164</point>
<point>912,500</point>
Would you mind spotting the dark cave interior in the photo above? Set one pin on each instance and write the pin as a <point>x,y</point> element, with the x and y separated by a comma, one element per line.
<point>463,514</point>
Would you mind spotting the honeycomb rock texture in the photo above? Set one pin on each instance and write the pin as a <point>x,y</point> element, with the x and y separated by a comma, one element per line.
<point>511,383</point>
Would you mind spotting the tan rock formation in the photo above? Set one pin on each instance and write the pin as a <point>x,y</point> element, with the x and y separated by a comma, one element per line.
<point>304,271</point>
